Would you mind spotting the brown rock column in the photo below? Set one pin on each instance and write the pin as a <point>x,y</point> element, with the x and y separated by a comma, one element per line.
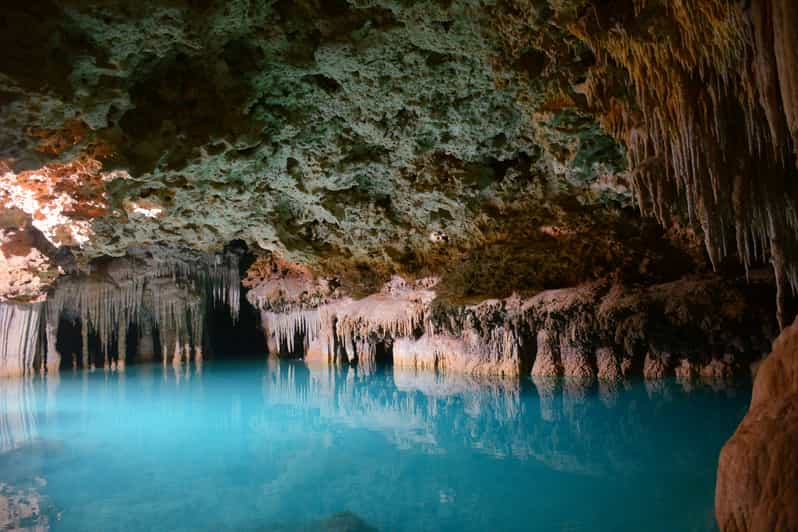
<point>121,344</point>
<point>757,485</point>
<point>547,362</point>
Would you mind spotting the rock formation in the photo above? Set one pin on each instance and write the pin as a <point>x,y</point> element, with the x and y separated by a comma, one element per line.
<point>757,486</point>
<point>689,328</point>
<point>19,336</point>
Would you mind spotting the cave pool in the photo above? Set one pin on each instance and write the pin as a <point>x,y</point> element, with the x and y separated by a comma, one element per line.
<point>280,445</point>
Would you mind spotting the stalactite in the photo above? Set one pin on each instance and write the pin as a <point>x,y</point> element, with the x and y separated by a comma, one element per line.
<point>347,330</point>
<point>706,69</point>
<point>19,338</point>
<point>286,327</point>
<point>146,342</point>
<point>170,293</point>
<point>121,345</point>
<point>84,343</point>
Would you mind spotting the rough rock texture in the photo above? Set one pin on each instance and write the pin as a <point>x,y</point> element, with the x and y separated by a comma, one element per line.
<point>757,485</point>
<point>362,138</point>
<point>500,146</point>
<point>28,264</point>
<point>310,128</point>
<point>467,139</point>
<point>603,329</point>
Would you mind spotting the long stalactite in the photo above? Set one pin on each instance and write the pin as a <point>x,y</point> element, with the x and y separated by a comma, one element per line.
<point>19,338</point>
<point>707,113</point>
<point>170,295</point>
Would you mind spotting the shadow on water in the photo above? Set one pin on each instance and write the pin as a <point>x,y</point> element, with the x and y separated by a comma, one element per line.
<point>278,445</point>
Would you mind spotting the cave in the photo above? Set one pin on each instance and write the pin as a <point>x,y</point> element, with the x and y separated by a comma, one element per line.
<point>526,264</point>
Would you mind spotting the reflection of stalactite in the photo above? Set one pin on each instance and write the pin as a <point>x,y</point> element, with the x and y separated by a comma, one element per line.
<point>18,418</point>
<point>19,338</point>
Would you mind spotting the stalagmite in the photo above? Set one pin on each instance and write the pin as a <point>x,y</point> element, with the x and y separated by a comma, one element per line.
<point>608,364</point>
<point>121,346</point>
<point>547,361</point>
<point>575,360</point>
<point>84,343</point>
<point>198,360</point>
<point>176,358</point>
<point>146,344</point>
<point>53,356</point>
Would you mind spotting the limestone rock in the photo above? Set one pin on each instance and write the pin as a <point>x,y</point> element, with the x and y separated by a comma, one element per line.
<point>609,368</point>
<point>655,367</point>
<point>757,485</point>
<point>593,330</point>
<point>576,362</point>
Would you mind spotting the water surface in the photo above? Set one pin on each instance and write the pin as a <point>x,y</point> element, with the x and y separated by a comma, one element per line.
<point>283,446</point>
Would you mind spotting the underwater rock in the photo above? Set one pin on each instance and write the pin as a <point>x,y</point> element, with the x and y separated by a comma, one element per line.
<point>342,522</point>
<point>345,521</point>
<point>23,509</point>
<point>757,485</point>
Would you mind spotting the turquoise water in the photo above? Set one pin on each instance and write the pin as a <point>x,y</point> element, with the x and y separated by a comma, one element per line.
<point>283,446</point>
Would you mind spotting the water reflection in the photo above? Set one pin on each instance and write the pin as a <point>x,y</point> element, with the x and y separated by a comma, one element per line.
<point>402,449</point>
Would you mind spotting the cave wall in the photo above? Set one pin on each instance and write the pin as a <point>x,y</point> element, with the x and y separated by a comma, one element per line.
<point>694,327</point>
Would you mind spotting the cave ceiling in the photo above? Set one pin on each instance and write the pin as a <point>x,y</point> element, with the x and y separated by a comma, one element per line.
<point>365,137</point>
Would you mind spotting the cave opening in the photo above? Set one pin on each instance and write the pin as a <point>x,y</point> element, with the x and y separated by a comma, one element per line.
<point>240,337</point>
<point>383,355</point>
<point>69,342</point>
<point>229,338</point>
